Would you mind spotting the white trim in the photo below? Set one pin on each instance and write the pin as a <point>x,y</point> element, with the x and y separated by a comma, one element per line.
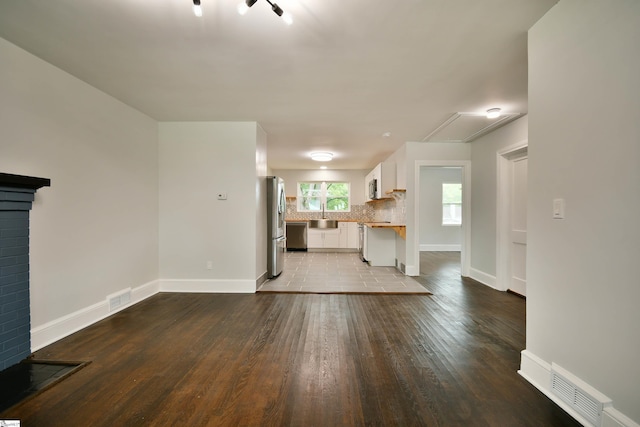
<point>484,278</point>
<point>611,417</point>
<point>52,331</point>
<point>535,370</point>
<point>465,263</point>
<point>208,286</point>
<point>412,270</point>
<point>503,221</point>
<point>538,372</point>
<point>440,248</point>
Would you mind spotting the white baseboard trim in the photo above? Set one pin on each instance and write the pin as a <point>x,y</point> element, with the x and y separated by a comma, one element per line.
<point>208,286</point>
<point>52,331</point>
<point>484,278</point>
<point>611,417</point>
<point>440,248</point>
<point>260,280</point>
<point>535,370</point>
<point>538,372</point>
<point>412,270</point>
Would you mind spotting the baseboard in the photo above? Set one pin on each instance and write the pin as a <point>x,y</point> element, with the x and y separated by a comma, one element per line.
<point>482,277</point>
<point>611,417</point>
<point>440,248</point>
<point>52,331</point>
<point>208,286</point>
<point>539,373</point>
<point>412,270</point>
<point>260,280</point>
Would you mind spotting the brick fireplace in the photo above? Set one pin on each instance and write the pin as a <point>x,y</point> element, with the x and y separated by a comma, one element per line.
<point>17,193</point>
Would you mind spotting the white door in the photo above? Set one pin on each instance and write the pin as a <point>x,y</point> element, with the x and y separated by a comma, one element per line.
<point>518,225</point>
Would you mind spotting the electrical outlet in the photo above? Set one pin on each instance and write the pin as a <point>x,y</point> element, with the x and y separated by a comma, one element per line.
<point>209,265</point>
<point>222,196</point>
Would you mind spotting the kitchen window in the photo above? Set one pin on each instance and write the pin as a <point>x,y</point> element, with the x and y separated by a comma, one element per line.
<point>335,196</point>
<point>451,204</point>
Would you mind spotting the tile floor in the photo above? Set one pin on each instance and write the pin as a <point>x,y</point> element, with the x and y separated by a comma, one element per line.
<point>338,272</point>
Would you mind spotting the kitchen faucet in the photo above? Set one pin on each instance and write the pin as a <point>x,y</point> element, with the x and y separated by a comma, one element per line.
<point>323,216</point>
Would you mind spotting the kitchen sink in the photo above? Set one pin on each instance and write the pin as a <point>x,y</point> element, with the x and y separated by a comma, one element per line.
<point>323,223</point>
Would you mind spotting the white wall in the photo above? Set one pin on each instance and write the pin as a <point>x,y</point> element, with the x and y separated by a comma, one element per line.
<point>433,235</point>
<point>354,176</point>
<point>484,200</point>
<point>261,203</point>
<point>94,232</point>
<point>584,106</point>
<point>198,160</point>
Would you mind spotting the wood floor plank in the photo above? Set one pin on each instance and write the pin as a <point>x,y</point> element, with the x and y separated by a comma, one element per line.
<point>449,359</point>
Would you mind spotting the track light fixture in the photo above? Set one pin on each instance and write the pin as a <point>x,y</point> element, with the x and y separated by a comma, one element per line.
<point>197,10</point>
<point>244,7</point>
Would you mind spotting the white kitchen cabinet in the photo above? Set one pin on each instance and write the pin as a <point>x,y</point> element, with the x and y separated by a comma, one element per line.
<point>348,235</point>
<point>320,239</point>
<point>380,247</point>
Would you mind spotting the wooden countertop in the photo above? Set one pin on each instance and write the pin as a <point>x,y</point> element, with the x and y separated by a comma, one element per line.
<point>401,229</point>
<point>308,219</point>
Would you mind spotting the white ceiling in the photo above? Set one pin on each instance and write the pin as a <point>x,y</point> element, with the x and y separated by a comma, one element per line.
<point>343,74</point>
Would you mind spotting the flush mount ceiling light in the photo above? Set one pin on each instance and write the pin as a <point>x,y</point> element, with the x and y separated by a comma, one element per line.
<point>197,10</point>
<point>244,7</point>
<point>493,113</point>
<point>322,156</point>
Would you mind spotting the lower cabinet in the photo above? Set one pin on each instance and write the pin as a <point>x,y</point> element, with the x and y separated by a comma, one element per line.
<point>317,238</point>
<point>343,237</point>
<point>348,235</point>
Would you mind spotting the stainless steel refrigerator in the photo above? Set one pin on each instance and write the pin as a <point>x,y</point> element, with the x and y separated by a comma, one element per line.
<point>276,208</point>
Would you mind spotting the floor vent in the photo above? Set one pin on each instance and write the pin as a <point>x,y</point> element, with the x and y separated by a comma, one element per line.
<point>119,300</point>
<point>582,402</point>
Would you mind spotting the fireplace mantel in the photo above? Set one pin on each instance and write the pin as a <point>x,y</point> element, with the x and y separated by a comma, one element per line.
<point>22,181</point>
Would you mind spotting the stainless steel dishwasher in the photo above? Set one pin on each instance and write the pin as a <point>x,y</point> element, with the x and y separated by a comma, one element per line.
<point>297,236</point>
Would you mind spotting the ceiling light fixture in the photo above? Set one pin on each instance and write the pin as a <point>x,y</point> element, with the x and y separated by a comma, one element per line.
<point>197,10</point>
<point>244,7</point>
<point>493,113</point>
<point>322,156</point>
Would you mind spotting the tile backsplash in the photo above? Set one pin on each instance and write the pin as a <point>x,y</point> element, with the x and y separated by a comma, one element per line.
<point>391,210</point>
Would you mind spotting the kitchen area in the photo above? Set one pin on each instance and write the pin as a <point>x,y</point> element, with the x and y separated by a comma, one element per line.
<point>326,242</point>
<point>375,217</point>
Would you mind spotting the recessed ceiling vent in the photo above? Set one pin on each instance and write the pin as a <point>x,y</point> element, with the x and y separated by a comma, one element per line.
<point>588,404</point>
<point>465,127</point>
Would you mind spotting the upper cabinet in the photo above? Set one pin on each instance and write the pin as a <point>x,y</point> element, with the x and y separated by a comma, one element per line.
<point>382,179</point>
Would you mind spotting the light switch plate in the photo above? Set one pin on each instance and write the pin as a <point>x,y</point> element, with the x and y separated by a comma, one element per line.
<point>558,208</point>
<point>222,196</point>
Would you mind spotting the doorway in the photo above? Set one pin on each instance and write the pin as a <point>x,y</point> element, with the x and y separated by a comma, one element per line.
<point>440,213</point>
<point>413,239</point>
<point>511,271</point>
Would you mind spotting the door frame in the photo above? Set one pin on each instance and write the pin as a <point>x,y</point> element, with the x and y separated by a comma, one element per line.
<point>465,246</point>
<point>503,213</point>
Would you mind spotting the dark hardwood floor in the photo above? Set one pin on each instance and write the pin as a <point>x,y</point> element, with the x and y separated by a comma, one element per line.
<point>449,359</point>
